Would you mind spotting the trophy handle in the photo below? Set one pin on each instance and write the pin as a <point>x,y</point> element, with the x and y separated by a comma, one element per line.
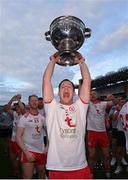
<point>87,32</point>
<point>47,36</point>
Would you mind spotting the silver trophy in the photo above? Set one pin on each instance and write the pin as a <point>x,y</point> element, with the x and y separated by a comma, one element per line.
<point>67,35</point>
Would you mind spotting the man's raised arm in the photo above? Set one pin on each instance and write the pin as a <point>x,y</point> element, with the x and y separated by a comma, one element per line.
<point>85,88</point>
<point>47,88</point>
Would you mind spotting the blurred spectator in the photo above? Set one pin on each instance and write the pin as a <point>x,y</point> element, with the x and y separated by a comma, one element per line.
<point>6,123</point>
<point>114,136</point>
<point>42,111</point>
<point>121,141</point>
<point>15,151</point>
<point>97,130</point>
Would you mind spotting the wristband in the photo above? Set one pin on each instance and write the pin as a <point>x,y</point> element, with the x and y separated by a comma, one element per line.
<point>81,62</point>
<point>52,60</point>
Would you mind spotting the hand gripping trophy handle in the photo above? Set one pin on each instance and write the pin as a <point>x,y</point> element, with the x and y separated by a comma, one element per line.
<point>67,34</point>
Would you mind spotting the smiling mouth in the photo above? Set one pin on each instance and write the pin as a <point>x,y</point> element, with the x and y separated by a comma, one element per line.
<point>66,95</point>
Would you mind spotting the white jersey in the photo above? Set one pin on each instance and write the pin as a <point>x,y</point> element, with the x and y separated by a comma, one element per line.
<point>15,122</point>
<point>32,136</point>
<point>123,115</point>
<point>96,116</point>
<point>66,132</point>
<point>119,123</point>
<point>42,111</point>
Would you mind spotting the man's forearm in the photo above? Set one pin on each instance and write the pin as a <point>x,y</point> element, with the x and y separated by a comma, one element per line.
<point>86,84</point>
<point>21,144</point>
<point>49,70</point>
<point>85,72</point>
<point>47,89</point>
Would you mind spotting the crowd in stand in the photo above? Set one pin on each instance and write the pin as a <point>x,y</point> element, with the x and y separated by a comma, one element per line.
<point>54,137</point>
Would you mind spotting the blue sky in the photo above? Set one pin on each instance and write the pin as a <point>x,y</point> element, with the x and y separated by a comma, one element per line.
<point>24,52</point>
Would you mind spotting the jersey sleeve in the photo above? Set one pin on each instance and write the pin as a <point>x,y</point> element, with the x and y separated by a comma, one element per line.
<point>50,107</point>
<point>82,105</point>
<point>82,109</point>
<point>22,122</point>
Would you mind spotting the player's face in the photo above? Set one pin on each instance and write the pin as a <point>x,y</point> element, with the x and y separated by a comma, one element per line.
<point>18,109</point>
<point>93,96</point>
<point>33,102</point>
<point>40,104</point>
<point>121,102</point>
<point>66,93</point>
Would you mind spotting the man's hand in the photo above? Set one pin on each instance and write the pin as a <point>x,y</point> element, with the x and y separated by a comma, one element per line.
<point>55,57</point>
<point>30,157</point>
<point>45,150</point>
<point>79,58</point>
<point>16,97</point>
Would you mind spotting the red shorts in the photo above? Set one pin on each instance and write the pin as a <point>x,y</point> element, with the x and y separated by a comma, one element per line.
<point>98,138</point>
<point>76,174</point>
<point>14,148</point>
<point>40,158</point>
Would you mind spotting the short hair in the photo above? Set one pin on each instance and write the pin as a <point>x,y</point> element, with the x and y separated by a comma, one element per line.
<point>23,104</point>
<point>40,98</point>
<point>33,95</point>
<point>17,104</point>
<point>69,81</point>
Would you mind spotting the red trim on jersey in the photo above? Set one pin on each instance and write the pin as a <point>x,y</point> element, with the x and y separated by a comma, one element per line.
<point>84,101</point>
<point>26,114</point>
<point>48,102</point>
<point>34,114</point>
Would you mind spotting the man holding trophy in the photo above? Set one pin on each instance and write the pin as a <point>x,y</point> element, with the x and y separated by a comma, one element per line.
<point>66,120</point>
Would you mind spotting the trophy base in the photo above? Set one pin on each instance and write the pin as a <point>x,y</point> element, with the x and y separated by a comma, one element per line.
<point>67,58</point>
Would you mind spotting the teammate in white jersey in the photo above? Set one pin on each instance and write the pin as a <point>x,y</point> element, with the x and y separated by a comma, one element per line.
<point>124,120</point>
<point>29,137</point>
<point>42,111</point>
<point>97,134</point>
<point>15,151</point>
<point>66,123</point>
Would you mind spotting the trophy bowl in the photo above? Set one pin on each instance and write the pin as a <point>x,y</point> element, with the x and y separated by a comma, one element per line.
<point>67,34</point>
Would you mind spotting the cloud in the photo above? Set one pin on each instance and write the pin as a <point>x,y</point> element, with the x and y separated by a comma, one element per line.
<point>24,51</point>
<point>115,40</point>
